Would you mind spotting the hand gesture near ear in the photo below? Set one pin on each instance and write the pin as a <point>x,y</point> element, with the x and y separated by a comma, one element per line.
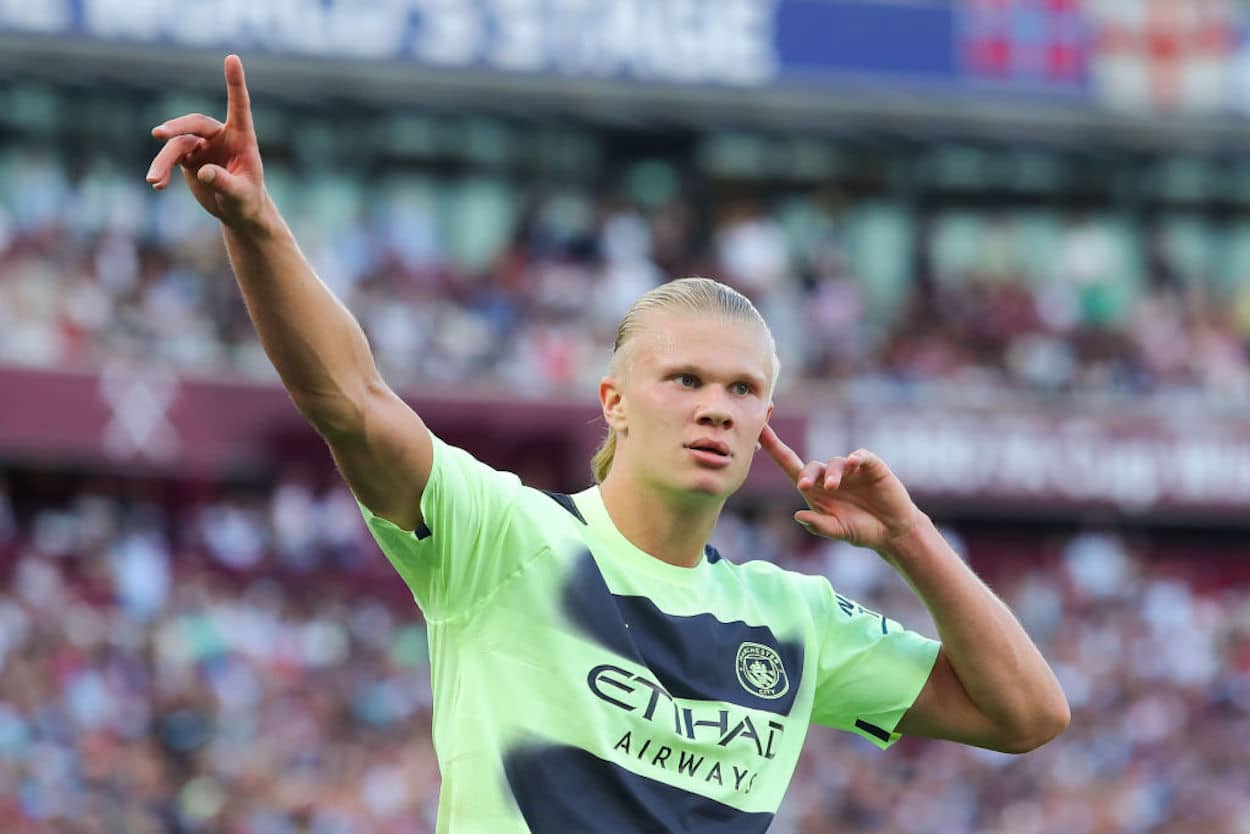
<point>220,162</point>
<point>856,498</point>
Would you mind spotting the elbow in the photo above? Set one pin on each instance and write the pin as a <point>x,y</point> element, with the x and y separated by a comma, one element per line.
<point>1044,728</point>
<point>331,419</point>
<point>331,416</point>
<point>337,413</point>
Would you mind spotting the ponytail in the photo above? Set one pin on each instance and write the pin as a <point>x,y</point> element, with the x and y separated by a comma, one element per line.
<point>602,460</point>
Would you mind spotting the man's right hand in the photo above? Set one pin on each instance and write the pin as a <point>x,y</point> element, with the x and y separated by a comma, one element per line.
<point>220,162</point>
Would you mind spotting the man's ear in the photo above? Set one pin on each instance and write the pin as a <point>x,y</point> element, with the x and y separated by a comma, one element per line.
<point>767,417</point>
<point>612,402</point>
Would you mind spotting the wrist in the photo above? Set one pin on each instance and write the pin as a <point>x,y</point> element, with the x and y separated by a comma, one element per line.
<point>912,538</point>
<point>260,225</point>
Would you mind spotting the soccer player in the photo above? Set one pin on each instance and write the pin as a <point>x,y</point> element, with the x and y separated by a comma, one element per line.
<point>596,665</point>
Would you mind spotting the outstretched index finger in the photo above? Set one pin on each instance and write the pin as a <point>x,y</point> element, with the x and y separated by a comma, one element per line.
<point>238,104</point>
<point>786,458</point>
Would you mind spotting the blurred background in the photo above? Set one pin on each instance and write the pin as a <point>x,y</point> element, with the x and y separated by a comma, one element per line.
<point>1004,243</point>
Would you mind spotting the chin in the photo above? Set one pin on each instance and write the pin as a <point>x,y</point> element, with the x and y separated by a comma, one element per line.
<point>698,485</point>
<point>712,485</point>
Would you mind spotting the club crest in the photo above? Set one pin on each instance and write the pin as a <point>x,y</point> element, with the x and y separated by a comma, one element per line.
<point>761,672</point>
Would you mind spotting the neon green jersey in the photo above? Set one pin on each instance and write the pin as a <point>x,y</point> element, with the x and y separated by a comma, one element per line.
<point>583,685</point>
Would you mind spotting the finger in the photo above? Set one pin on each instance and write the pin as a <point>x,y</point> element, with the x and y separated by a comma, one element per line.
<point>862,460</point>
<point>811,474</point>
<point>785,457</point>
<point>833,473</point>
<point>238,103</point>
<point>175,149</point>
<point>196,123</point>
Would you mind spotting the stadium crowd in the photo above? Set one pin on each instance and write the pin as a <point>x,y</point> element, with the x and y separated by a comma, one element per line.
<point>185,659</point>
<point>481,278</point>
<point>244,661</point>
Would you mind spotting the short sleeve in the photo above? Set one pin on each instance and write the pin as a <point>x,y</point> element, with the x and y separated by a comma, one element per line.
<point>870,669</point>
<point>470,541</point>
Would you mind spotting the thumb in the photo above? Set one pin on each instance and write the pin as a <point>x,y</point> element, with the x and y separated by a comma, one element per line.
<point>222,181</point>
<point>820,524</point>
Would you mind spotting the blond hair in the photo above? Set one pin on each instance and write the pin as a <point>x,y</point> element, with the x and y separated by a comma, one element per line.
<point>690,295</point>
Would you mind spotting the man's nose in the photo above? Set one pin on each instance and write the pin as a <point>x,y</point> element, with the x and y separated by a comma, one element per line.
<point>714,412</point>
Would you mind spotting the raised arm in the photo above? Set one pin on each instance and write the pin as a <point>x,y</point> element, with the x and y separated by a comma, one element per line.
<point>380,444</point>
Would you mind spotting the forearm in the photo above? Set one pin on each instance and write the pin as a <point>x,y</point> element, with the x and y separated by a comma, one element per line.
<point>1000,668</point>
<point>312,339</point>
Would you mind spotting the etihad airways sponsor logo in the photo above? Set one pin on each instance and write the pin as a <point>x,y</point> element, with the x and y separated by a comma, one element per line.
<point>639,694</point>
<point>696,766</point>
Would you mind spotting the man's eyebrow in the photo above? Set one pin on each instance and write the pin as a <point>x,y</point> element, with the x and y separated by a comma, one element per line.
<point>755,379</point>
<point>670,368</point>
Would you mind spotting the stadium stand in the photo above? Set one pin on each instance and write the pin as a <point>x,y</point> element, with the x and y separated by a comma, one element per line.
<point>1017,267</point>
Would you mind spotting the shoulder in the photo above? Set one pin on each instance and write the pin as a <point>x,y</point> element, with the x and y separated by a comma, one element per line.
<point>551,514</point>
<point>461,478</point>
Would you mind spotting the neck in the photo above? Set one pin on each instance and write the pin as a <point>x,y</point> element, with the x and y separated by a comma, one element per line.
<point>673,531</point>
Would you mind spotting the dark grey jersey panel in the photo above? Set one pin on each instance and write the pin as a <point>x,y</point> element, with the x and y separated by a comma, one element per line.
<point>566,790</point>
<point>696,657</point>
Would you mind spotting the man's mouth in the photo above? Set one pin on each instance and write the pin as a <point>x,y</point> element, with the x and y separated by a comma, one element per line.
<point>714,447</point>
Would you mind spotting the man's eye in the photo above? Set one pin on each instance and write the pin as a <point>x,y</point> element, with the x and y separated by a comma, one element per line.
<point>688,380</point>
<point>742,388</point>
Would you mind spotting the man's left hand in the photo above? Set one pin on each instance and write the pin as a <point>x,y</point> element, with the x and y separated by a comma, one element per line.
<point>855,498</point>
